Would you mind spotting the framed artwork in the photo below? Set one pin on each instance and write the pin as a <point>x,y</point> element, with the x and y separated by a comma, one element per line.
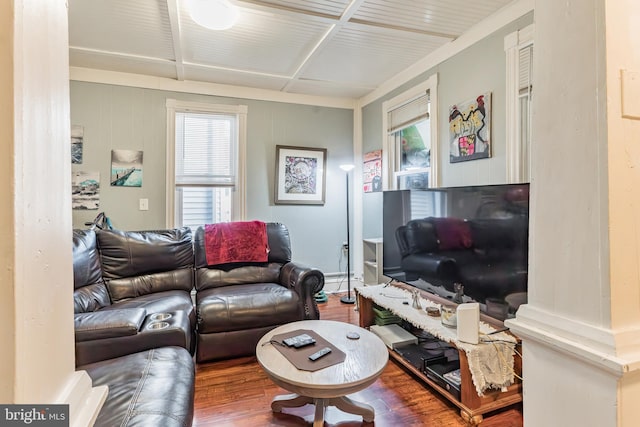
<point>470,129</point>
<point>77,140</point>
<point>126,168</point>
<point>85,190</point>
<point>372,170</point>
<point>300,175</point>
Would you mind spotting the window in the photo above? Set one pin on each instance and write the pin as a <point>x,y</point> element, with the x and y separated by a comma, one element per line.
<point>518,48</point>
<point>205,163</point>
<point>410,158</point>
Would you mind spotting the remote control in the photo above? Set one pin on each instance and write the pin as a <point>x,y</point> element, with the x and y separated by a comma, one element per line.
<point>299,341</point>
<point>318,354</point>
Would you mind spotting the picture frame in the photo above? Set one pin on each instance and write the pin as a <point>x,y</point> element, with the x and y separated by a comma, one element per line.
<point>470,129</point>
<point>126,168</point>
<point>300,175</point>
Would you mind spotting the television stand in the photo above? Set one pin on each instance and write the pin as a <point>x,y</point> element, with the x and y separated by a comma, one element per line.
<point>472,405</point>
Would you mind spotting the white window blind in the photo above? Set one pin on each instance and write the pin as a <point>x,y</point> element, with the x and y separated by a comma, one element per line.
<point>408,114</point>
<point>524,68</point>
<point>206,149</point>
<point>205,163</point>
<point>408,136</point>
<point>525,89</point>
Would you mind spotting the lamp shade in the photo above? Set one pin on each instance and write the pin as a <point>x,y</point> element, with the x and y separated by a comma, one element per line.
<point>347,168</point>
<point>213,14</point>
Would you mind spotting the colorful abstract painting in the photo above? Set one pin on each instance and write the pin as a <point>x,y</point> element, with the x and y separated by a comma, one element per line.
<point>470,129</point>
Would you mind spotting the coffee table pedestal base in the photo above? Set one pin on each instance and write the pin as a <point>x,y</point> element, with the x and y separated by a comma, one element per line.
<point>343,403</point>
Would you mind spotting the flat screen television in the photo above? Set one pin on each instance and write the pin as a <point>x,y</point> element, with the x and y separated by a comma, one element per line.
<point>466,244</point>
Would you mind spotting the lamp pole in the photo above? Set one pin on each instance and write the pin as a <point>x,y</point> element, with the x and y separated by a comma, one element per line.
<point>348,299</point>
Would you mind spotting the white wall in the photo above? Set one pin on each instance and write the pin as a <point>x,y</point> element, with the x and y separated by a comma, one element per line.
<point>37,358</point>
<point>581,326</point>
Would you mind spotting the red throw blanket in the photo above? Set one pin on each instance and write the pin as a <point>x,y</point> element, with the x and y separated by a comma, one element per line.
<point>240,241</point>
<point>452,233</point>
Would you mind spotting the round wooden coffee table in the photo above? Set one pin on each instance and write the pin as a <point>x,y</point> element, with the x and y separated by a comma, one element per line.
<point>366,357</point>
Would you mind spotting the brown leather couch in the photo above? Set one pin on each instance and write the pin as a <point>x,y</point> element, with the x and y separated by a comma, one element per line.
<point>134,323</point>
<point>124,280</point>
<point>152,388</point>
<point>124,284</point>
<point>238,303</point>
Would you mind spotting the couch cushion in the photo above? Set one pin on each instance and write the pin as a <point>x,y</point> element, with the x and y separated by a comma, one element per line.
<point>149,284</point>
<point>86,259</point>
<point>90,292</point>
<point>277,236</point>
<point>136,263</point>
<point>91,298</point>
<point>152,388</point>
<point>214,277</point>
<point>232,308</point>
<point>136,253</point>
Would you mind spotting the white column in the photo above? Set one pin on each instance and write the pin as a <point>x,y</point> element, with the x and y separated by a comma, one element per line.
<point>37,361</point>
<point>581,326</point>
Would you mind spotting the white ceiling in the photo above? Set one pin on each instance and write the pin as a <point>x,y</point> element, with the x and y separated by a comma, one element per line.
<point>333,48</point>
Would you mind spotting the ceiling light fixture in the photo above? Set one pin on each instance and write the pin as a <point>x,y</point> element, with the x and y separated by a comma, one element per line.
<point>213,14</point>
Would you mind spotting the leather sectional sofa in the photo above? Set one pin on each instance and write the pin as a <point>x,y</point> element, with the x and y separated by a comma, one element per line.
<point>137,327</point>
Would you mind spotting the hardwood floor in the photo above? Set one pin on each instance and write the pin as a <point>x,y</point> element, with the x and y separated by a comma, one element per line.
<point>238,393</point>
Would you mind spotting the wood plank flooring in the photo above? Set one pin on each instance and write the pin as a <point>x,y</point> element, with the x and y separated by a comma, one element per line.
<point>237,393</point>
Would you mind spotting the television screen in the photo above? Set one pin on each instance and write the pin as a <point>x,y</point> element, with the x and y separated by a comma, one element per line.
<point>462,243</point>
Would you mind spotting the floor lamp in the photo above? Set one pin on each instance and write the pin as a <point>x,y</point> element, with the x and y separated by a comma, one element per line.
<point>348,299</point>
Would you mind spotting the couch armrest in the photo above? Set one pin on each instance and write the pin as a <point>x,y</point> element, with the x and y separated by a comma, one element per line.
<point>104,324</point>
<point>306,282</point>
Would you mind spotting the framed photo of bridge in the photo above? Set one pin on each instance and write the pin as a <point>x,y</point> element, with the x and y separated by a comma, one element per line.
<point>126,168</point>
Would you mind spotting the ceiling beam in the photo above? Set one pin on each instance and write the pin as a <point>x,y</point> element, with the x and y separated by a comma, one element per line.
<point>176,34</point>
<point>333,30</point>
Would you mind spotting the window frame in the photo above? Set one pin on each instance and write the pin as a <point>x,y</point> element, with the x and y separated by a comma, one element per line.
<point>515,149</point>
<point>390,155</point>
<point>239,189</point>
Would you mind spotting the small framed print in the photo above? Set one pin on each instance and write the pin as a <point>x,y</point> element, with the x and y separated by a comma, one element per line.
<point>300,175</point>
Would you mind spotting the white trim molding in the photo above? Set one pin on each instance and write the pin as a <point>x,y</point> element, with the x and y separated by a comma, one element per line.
<point>85,401</point>
<point>603,348</point>
<point>512,45</point>
<point>389,155</point>
<point>215,89</point>
<point>173,106</point>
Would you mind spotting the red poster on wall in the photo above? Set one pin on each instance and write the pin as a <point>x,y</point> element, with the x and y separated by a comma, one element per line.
<point>372,169</point>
